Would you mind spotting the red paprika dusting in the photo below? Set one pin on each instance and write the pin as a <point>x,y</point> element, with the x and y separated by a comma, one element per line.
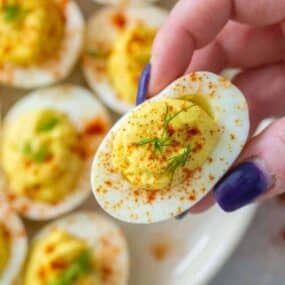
<point>106,272</point>
<point>119,20</point>
<point>49,248</point>
<point>96,127</point>
<point>108,182</point>
<point>151,195</point>
<point>198,147</point>
<point>170,130</point>
<point>192,197</point>
<point>42,273</point>
<point>59,264</point>
<point>211,177</point>
<point>193,132</point>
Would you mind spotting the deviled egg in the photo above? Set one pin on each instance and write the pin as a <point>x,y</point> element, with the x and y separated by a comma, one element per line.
<point>165,155</point>
<point>40,41</point>
<point>49,138</point>
<point>83,249</point>
<point>118,46</point>
<point>13,244</point>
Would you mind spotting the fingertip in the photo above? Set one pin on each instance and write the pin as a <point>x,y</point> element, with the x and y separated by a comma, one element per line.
<point>171,55</point>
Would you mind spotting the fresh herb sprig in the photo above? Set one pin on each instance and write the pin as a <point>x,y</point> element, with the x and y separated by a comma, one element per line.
<point>179,160</point>
<point>47,125</point>
<point>11,12</point>
<point>158,143</point>
<point>78,268</point>
<point>39,155</point>
<point>164,139</point>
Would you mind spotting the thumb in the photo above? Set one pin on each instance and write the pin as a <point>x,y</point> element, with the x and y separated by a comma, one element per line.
<point>260,172</point>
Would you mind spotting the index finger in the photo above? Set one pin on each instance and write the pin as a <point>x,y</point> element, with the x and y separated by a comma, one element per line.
<point>193,24</point>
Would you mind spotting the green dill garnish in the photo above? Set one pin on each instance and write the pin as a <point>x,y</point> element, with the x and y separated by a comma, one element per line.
<point>39,155</point>
<point>158,143</point>
<point>179,160</point>
<point>11,12</point>
<point>77,269</point>
<point>164,139</point>
<point>27,149</point>
<point>96,53</point>
<point>48,124</point>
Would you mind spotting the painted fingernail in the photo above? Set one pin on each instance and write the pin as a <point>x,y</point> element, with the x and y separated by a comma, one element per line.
<point>182,215</point>
<point>143,84</point>
<point>241,186</point>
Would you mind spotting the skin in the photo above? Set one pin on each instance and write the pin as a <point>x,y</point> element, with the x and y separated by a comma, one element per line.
<point>212,35</point>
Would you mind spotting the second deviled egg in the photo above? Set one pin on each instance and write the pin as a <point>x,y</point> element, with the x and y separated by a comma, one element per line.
<point>40,41</point>
<point>118,46</point>
<point>83,249</point>
<point>48,140</point>
<point>13,244</point>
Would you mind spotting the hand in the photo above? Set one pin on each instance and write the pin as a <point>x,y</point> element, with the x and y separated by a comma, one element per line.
<point>216,34</point>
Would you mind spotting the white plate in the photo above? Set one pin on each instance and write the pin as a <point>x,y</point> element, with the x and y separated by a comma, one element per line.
<point>187,252</point>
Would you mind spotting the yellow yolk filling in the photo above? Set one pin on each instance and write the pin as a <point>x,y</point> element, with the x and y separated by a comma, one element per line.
<point>4,247</point>
<point>30,30</point>
<point>163,143</point>
<point>42,156</point>
<point>128,58</point>
<point>60,258</point>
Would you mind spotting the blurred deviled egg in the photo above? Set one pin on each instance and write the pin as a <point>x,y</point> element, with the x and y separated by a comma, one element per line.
<point>48,140</point>
<point>118,46</point>
<point>40,41</point>
<point>13,244</point>
<point>165,155</point>
<point>81,249</point>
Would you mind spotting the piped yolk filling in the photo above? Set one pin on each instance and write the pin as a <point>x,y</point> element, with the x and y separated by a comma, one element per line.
<point>130,54</point>
<point>42,155</point>
<point>163,143</point>
<point>30,30</point>
<point>60,259</point>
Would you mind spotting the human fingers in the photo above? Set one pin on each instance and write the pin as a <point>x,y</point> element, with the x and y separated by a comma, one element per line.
<point>193,24</point>
<point>257,84</point>
<point>242,46</point>
<point>260,173</point>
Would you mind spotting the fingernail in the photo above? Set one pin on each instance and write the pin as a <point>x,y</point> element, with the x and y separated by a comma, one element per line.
<point>241,186</point>
<point>143,84</point>
<point>182,215</point>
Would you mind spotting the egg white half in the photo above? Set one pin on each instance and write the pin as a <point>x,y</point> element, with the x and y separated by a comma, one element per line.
<point>101,31</point>
<point>53,69</point>
<point>128,203</point>
<point>19,243</point>
<point>104,238</point>
<point>82,108</point>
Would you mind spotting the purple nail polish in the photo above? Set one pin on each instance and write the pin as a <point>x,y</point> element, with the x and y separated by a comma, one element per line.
<point>182,215</point>
<point>240,186</point>
<point>143,84</point>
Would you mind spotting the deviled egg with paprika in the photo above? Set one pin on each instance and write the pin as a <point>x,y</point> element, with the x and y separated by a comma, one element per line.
<point>49,138</point>
<point>83,249</point>
<point>165,155</point>
<point>118,46</point>
<point>40,41</point>
<point>13,244</point>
